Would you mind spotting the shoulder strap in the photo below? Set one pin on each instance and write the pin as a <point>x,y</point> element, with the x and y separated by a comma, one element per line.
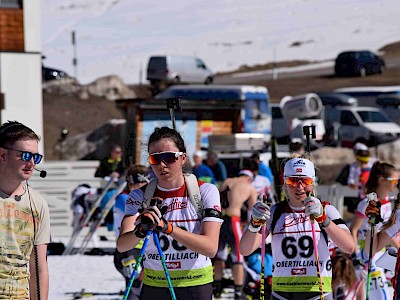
<point>194,193</point>
<point>280,208</point>
<point>324,203</point>
<point>149,191</point>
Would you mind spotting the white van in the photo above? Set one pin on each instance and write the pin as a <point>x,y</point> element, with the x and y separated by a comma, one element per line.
<point>349,124</point>
<point>171,69</point>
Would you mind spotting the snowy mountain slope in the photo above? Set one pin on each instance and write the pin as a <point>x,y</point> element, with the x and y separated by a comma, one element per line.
<point>117,37</point>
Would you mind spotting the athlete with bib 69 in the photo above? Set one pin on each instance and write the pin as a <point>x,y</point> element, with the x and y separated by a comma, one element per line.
<point>301,227</point>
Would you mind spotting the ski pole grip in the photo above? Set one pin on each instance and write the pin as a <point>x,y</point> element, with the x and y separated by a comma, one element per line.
<point>373,197</point>
<point>155,201</point>
<point>309,194</point>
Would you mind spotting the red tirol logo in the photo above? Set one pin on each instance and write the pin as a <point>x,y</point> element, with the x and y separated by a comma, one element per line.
<point>299,170</point>
<point>299,271</point>
<point>173,265</point>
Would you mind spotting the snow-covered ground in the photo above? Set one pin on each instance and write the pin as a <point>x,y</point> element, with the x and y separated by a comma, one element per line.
<point>70,274</point>
<point>118,37</point>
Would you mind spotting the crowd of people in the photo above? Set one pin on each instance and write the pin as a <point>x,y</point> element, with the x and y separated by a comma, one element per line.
<point>188,228</point>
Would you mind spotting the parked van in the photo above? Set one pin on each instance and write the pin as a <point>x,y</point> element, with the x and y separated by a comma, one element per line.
<point>171,69</point>
<point>347,125</point>
<point>390,104</point>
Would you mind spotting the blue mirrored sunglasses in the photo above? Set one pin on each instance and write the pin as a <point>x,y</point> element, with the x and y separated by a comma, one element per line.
<point>27,156</point>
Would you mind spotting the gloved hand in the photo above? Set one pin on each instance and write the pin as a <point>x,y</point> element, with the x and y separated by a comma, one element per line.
<point>314,209</point>
<point>373,212</point>
<point>151,218</point>
<point>261,213</point>
<point>358,263</point>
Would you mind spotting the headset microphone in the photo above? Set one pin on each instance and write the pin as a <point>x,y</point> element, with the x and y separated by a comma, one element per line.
<point>42,174</point>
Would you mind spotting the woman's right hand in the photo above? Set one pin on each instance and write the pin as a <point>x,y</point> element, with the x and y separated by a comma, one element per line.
<point>261,213</point>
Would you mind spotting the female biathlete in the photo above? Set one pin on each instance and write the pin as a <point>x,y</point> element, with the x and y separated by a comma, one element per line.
<point>188,241</point>
<point>382,180</point>
<point>388,233</point>
<point>295,274</point>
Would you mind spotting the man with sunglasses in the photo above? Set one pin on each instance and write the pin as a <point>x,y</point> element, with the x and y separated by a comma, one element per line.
<point>24,217</point>
<point>295,274</point>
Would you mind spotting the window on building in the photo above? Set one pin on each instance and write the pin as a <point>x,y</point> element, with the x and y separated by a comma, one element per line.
<point>10,3</point>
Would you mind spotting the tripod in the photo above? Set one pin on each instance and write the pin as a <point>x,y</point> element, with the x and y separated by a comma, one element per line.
<point>139,260</point>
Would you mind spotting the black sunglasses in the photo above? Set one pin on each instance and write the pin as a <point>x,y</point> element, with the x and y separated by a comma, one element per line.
<point>27,156</point>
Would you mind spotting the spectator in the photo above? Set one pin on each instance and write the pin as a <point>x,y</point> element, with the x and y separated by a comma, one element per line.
<point>25,226</point>
<point>360,169</point>
<point>239,190</point>
<point>263,169</point>
<point>217,166</point>
<point>202,171</point>
<point>112,166</point>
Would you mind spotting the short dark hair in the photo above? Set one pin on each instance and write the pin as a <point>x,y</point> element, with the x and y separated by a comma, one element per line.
<point>167,133</point>
<point>255,155</point>
<point>132,173</point>
<point>13,131</point>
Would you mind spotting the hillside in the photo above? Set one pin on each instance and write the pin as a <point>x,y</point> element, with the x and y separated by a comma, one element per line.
<point>84,115</point>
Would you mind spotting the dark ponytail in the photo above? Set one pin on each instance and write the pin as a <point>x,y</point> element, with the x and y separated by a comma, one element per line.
<point>379,169</point>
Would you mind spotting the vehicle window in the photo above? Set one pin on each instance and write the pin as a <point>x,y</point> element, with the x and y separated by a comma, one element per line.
<point>11,3</point>
<point>347,118</point>
<point>372,116</point>
<point>346,55</point>
<point>200,64</point>
<point>157,62</point>
<point>276,112</point>
<point>256,109</point>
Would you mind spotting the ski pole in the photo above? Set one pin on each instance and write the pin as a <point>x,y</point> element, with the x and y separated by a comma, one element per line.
<point>309,132</point>
<point>138,261</point>
<point>157,242</point>
<point>265,199</point>
<point>172,104</point>
<point>371,197</point>
<point>315,244</point>
<point>317,256</point>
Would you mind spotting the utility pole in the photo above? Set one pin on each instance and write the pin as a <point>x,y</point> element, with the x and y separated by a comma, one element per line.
<point>274,66</point>
<point>74,59</point>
